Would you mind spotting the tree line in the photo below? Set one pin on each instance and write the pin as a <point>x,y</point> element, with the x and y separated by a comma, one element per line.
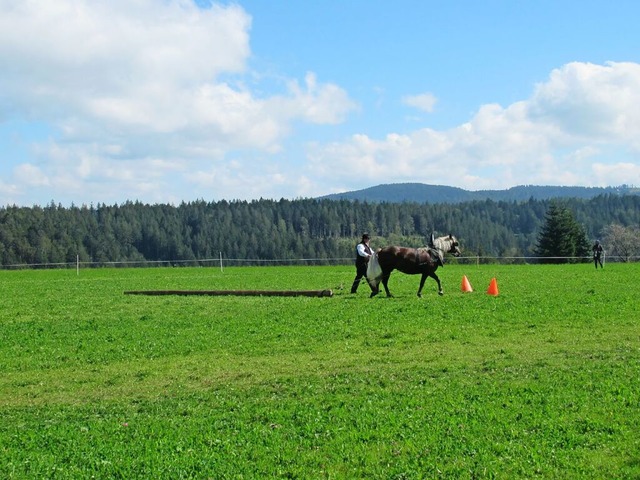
<point>287,229</point>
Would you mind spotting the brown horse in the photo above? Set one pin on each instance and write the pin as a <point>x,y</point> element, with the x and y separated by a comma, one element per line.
<point>412,261</point>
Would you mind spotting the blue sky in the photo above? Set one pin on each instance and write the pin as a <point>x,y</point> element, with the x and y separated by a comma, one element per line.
<point>164,101</point>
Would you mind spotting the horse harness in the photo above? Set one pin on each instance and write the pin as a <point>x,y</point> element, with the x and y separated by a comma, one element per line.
<point>434,253</point>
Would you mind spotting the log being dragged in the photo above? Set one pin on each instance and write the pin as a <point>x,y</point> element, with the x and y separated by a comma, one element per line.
<point>252,293</point>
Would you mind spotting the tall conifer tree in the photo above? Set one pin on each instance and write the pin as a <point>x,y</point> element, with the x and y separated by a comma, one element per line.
<point>562,239</point>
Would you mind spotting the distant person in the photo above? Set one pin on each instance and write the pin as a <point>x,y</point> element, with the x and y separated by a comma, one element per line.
<point>363,254</point>
<point>597,254</point>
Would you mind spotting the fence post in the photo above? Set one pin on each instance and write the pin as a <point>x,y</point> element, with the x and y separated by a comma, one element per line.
<point>221,269</point>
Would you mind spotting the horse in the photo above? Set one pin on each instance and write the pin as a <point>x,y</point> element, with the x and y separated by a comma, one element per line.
<point>424,260</point>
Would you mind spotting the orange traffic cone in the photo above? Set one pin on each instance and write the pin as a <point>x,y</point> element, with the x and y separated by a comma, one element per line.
<point>466,286</point>
<point>493,287</point>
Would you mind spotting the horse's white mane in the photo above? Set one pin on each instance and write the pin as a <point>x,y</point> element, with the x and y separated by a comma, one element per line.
<point>444,243</point>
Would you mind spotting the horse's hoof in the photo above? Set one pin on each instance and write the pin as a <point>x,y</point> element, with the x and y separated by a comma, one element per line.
<point>440,293</point>
<point>419,295</point>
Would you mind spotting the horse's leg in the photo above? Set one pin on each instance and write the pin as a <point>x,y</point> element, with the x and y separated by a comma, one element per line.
<point>385,280</point>
<point>435,277</point>
<point>422,279</point>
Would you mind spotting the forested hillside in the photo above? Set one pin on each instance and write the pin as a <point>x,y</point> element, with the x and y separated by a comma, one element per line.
<point>285,229</point>
<point>423,193</point>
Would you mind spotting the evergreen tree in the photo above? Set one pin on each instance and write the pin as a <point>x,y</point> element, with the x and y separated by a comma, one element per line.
<point>305,228</point>
<point>561,239</point>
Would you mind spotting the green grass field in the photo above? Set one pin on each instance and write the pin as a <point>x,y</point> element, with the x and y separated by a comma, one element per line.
<point>542,381</point>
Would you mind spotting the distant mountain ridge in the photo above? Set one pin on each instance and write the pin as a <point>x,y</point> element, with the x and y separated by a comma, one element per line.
<point>424,193</point>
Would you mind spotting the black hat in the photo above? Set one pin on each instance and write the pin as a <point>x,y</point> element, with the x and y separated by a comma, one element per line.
<point>365,236</point>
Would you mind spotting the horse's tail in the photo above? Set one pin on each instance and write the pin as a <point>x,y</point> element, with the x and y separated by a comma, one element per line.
<point>374,271</point>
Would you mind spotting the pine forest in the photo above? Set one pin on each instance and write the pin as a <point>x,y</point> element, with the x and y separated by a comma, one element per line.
<point>303,230</point>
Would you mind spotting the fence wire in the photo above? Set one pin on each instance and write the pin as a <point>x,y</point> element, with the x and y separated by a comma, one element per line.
<point>223,262</point>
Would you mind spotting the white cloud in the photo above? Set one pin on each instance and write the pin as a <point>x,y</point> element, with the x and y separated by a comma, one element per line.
<point>591,102</point>
<point>314,103</point>
<point>156,100</point>
<point>617,173</point>
<point>121,82</point>
<point>31,175</point>
<point>9,192</point>
<point>424,101</point>
<point>580,127</point>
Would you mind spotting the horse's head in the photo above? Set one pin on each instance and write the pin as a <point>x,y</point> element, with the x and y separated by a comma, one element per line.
<point>452,246</point>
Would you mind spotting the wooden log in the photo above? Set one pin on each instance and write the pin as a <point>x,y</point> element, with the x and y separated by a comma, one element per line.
<point>251,293</point>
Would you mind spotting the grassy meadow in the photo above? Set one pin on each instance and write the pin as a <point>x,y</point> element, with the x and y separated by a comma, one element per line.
<point>541,381</point>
